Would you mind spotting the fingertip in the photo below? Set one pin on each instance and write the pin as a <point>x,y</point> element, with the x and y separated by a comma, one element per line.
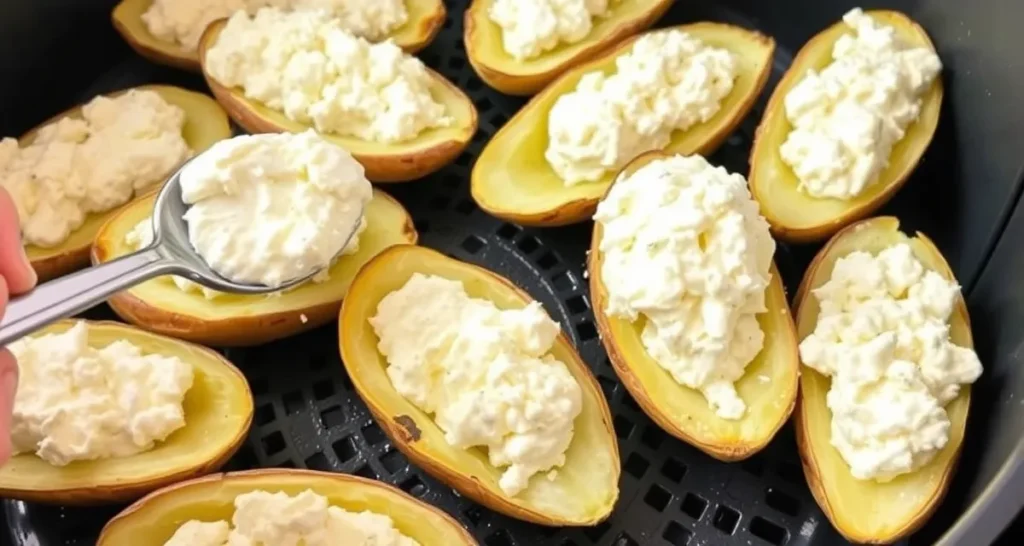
<point>14,263</point>
<point>8,391</point>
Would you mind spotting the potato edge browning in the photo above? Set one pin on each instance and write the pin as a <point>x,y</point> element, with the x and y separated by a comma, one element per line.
<point>380,167</point>
<point>809,461</point>
<point>530,83</point>
<point>121,491</point>
<point>775,115</point>
<point>579,210</point>
<point>396,427</point>
<point>124,517</point>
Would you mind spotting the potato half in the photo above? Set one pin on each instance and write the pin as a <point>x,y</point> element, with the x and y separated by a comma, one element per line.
<point>487,55</point>
<point>205,123</point>
<point>867,511</point>
<point>513,181</point>
<point>425,20</point>
<point>797,217</point>
<point>160,306</point>
<point>400,162</point>
<point>218,411</point>
<point>768,386</point>
<point>586,487</point>
<point>153,520</point>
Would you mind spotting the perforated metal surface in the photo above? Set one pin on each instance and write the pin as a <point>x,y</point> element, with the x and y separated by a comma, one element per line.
<point>308,416</point>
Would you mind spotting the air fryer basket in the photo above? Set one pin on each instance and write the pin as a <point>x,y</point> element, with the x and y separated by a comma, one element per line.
<point>60,52</point>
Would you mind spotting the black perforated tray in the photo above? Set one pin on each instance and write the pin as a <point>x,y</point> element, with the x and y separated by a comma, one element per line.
<point>308,416</point>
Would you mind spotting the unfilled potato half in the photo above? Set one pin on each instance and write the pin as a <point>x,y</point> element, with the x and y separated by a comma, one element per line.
<point>205,124</point>
<point>160,306</point>
<point>868,511</point>
<point>797,217</point>
<point>400,162</point>
<point>768,386</point>
<point>153,520</point>
<point>503,72</point>
<point>218,411</point>
<point>425,20</point>
<point>513,181</point>
<point>586,487</point>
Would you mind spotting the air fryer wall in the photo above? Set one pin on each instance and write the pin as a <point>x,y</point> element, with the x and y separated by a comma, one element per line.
<point>55,53</point>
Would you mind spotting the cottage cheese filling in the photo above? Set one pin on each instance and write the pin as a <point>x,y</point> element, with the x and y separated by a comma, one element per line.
<point>532,27</point>
<point>183,21</point>
<point>847,118</point>
<point>80,403</point>
<point>685,248</point>
<point>75,167</point>
<point>669,81</point>
<point>306,65</point>
<point>262,518</point>
<point>267,209</point>
<point>485,374</point>
<point>883,338</point>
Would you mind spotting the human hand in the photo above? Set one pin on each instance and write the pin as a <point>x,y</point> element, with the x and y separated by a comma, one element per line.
<point>16,277</point>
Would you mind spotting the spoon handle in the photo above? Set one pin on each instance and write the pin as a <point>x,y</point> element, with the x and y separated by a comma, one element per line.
<point>74,293</point>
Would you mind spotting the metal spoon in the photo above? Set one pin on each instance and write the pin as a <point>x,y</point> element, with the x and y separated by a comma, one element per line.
<point>170,253</point>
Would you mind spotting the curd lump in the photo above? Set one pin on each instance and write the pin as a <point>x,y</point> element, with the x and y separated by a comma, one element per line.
<point>484,373</point>
<point>74,167</point>
<point>183,21</point>
<point>276,519</point>
<point>267,209</point>
<point>79,403</point>
<point>685,248</point>
<point>847,118</point>
<point>669,81</point>
<point>306,65</point>
<point>883,338</point>
<point>531,27</point>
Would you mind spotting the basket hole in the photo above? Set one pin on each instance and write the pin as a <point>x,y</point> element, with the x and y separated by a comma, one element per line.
<point>484,104</point>
<point>473,244</point>
<point>586,330</point>
<point>465,207</point>
<point>366,471</point>
<point>636,466</point>
<point>463,160</point>
<point>498,538</point>
<point>657,498</point>
<point>293,402</point>
<point>567,542</point>
<point>259,386</point>
<point>345,449</point>
<point>318,461</point>
<point>323,389</point>
<point>781,501</point>
<point>754,467</point>
<point>499,119</point>
<point>608,386</point>
<point>332,417</point>
<point>528,244</point>
<point>450,182</point>
<point>693,506</point>
<point>264,415</point>
<point>373,434</point>
<point>393,461</point>
<point>440,202</point>
<point>768,531</point>
<point>414,486</point>
<point>653,437</point>
<point>577,304</point>
<point>595,533</point>
<point>623,426</point>
<point>547,261</point>
<point>474,84</point>
<point>508,231</point>
<point>317,362</point>
<point>422,226</point>
<point>676,534</point>
<point>563,282</point>
<point>726,519</point>
<point>673,470</point>
<point>456,63</point>
<point>286,464</point>
<point>630,403</point>
<point>625,540</point>
<point>473,514</point>
<point>791,473</point>
<point>273,443</point>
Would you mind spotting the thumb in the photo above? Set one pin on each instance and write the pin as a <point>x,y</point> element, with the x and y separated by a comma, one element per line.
<point>8,389</point>
<point>14,264</point>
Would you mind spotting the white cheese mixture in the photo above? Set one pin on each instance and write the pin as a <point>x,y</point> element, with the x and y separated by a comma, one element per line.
<point>276,519</point>
<point>75,167</point>
<point>79,403</point>
<point>183,21</point>
<point>883,338</point>
<point>847,118</point>
<point>531,27</point>
<point>686,249</point>
<point>306,65</point>
<point>669,81</point>
<point>484,373</point>
<point>266,209</point>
